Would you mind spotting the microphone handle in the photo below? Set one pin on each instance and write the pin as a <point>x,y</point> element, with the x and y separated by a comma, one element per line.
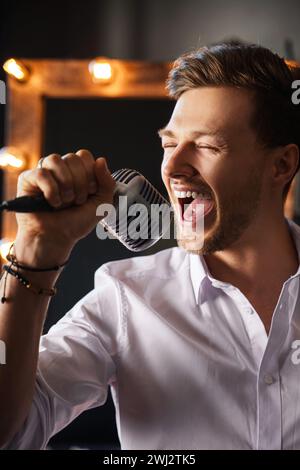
<point>27,204</point>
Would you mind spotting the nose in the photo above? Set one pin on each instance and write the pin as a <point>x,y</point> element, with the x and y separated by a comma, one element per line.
<point>178,164</point>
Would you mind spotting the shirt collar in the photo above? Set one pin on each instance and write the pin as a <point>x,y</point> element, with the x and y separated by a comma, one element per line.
<point>199,270</point>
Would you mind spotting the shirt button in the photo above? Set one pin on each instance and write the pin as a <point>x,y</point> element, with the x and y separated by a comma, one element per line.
<point>268,379</point>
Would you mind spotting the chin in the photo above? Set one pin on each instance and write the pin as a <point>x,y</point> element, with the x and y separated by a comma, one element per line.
<point>192,246</point>
<point>197,244</point>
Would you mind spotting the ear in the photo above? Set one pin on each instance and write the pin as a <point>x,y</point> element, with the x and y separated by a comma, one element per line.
<point>285,164</point>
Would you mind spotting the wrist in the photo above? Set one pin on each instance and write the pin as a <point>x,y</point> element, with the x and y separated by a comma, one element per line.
<point>40,253</point>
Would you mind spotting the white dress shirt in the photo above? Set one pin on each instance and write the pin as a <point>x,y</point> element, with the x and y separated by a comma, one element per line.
<point>187,358</point>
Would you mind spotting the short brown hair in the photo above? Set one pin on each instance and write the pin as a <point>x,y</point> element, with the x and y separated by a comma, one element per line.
<point>276,119</point>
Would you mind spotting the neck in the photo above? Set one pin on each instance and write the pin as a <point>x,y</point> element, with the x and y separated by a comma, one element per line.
<point>265,256</point>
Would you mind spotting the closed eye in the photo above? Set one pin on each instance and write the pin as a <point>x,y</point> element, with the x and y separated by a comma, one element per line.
<point>165,146</point>
<point>214,149</point>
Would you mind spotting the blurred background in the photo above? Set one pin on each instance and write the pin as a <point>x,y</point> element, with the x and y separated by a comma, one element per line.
<point>146,30</point>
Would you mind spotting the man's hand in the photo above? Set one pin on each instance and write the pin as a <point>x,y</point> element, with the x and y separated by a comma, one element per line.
<point>75,185</point>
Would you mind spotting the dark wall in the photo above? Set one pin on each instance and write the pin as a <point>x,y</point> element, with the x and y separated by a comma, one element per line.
<point>33,28</point>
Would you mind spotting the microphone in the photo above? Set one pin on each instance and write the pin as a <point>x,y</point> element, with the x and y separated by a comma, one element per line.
<point>133,193</point>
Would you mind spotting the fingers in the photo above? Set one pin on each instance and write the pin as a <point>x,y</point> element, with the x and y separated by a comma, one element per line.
<point>74,174</point>
<point>69,179</point>
<point>79,177</point>
<point>40,180</point>
<point>88,162</point>
<point>63,176</point>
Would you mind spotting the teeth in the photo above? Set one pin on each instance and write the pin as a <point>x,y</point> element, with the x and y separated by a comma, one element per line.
<point>205,196</point>
<point>180,194</point>
<point>193,194</point>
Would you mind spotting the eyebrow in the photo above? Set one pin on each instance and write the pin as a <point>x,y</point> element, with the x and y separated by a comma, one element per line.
<point>164,132</point>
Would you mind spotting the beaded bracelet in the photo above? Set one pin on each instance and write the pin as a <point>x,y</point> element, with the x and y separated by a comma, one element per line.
<point>27,284</point>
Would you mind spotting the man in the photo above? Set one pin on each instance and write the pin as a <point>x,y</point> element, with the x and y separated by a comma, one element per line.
<point>196,342</point>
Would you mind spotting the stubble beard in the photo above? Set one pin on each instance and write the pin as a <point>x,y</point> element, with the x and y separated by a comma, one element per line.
<point>233,216</point>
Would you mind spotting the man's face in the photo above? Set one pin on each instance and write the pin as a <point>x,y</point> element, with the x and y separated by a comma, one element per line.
<point>210,148</point>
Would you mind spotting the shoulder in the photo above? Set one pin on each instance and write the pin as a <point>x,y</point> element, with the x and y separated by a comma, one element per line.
<point>162,265</point>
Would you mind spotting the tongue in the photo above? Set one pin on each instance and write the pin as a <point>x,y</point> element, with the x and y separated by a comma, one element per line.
<point>194,209</point>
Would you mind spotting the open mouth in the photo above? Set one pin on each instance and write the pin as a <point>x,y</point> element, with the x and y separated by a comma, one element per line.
<point>194,206</point>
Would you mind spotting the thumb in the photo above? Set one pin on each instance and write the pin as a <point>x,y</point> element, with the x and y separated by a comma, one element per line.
<point>106,183</point>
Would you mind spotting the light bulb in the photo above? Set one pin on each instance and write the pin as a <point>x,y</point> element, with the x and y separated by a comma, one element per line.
<point>11,157</point>
<point>5,247</point>
<point>16,69</point>
<point>101,70</point>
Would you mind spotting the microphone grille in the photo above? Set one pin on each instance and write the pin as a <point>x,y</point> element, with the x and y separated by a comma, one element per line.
<point>152,223</point>
<point>125,175</point>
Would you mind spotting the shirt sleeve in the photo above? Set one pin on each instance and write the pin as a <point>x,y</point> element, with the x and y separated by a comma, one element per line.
<point>76,364</point>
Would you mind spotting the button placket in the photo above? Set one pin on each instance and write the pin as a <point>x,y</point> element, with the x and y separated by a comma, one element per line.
<point>253,325</point>
<point>269,425</point>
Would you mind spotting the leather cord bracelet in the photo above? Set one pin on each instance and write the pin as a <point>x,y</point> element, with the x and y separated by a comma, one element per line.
<point>9,269</point>
<point>27,284</point>
<point>13,260</point>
